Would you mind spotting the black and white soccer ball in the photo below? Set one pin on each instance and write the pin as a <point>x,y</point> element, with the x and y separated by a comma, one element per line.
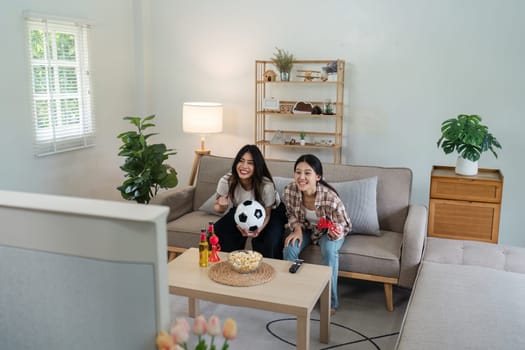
<point>250,215</point>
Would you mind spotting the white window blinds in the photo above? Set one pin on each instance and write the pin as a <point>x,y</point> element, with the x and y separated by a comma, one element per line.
<point>61,85</point>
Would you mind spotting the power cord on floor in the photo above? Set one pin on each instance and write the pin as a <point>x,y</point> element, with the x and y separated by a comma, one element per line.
<point>365,338</point>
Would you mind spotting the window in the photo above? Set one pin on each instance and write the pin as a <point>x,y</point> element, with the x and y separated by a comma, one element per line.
<point>61,85</point>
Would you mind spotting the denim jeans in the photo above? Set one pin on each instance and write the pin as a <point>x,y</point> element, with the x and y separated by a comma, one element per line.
<point>329,257</point>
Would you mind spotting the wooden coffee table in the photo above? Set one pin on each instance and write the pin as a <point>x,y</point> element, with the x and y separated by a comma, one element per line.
<point>294,294</point>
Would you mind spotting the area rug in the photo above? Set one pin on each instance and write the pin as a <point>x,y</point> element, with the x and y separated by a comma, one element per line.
<point>361,322</point>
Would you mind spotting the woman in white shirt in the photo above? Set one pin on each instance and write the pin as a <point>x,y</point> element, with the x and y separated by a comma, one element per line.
<point>250,179</point>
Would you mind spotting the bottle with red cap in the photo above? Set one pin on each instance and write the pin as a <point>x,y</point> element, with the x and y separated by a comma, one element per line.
<point>209,233</point>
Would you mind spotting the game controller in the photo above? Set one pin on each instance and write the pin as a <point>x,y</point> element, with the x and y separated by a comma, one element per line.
<point>296,265</point>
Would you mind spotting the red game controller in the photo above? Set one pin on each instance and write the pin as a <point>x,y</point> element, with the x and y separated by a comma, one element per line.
<point>325,224</point>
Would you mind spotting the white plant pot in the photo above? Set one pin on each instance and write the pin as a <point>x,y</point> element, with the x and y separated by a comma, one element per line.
<point>466,167</point>
<point>302,142</point>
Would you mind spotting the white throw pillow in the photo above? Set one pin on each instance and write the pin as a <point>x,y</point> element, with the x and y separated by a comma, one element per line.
<point>360,200</point>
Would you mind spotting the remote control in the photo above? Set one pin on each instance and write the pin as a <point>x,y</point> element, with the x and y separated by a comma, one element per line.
<point>296,265</point>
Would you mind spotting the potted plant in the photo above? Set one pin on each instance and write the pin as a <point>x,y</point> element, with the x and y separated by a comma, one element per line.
<point>283,60</point>
<point>302,136</point>
<point>144,166</point>
<point>469,138</point>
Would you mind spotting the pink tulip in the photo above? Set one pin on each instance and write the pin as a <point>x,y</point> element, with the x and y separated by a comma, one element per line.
<point>180,331</point>
<point>214,326</point>
<point>230,329</point>
<point>164,341</point>
<point>184,323</point>
<point>199,325</point>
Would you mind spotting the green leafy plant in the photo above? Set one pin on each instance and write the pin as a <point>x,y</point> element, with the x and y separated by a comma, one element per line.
<point>283,60</point>
<point>144,166</point>
<point>467,136</point>
<point>302,135</point>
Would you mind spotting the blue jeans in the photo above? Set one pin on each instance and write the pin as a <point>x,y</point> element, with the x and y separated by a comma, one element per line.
<point>329,257</point>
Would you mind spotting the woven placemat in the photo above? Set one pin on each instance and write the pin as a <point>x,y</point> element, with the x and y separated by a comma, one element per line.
<point>223,273</point>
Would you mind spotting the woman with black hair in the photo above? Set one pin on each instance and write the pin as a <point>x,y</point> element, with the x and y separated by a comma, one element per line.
<point>316,215</point>
<point>250,179</point>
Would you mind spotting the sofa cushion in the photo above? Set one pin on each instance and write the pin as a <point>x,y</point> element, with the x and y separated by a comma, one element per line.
<point>464,307</point>
<point>184,232</point>
<point>360,199</point>
<point>451,251</point>
<point>377,255</point>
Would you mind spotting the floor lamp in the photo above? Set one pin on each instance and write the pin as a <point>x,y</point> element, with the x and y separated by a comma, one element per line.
<point>201,118</point>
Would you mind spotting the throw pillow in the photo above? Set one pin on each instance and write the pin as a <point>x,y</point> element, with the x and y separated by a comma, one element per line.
<point>208,206</point>
<point>280,184</point>
<point>360,200</point>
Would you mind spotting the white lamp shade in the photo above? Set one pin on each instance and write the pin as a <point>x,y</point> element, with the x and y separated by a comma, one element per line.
<point>202,117</point>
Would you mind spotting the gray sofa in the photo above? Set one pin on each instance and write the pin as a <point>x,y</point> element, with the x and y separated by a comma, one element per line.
<point>391,255</point>
<point>467,295</point>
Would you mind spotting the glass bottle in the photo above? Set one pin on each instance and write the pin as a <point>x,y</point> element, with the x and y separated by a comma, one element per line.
<point>203,250</point>
<point>328,107</point>
<point>209,233</point>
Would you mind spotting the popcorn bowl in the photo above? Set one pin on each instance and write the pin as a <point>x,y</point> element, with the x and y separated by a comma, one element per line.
<point>245,261</point>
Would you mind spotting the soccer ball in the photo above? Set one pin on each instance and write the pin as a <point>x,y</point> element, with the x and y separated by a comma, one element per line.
<point>250,215</point>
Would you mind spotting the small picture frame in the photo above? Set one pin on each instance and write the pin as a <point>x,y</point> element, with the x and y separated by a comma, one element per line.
<point>271,104</point>
<point>286,107</point>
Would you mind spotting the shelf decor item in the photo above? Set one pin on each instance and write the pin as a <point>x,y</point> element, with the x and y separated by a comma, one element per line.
<point>270,75</point>
<point>328,107</point>
<point>278,138</point>
<point>271,104</point>
<point>284,61</point>
<point>302,107</point>
<point>302,136</point>
<point>469,138</point>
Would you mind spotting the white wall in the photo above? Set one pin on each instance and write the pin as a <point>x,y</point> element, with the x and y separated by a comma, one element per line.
<point>410,65</point>
<point>116,68</point>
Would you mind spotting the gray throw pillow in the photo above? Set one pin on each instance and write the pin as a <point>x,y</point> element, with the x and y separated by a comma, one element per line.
<point>208,206</point>
<point>360,200</point>
<point>280,184</point>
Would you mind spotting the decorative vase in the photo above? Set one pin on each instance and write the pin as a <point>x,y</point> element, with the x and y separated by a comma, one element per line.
<point>285,76</point>
<point>466,167</point>
<point>302,142</point>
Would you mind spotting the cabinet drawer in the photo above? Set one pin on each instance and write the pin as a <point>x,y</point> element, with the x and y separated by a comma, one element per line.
<point>464,220</point>
<point>466,189</point>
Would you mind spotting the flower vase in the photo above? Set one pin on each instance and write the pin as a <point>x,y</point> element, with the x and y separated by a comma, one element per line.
<point>285,76</point>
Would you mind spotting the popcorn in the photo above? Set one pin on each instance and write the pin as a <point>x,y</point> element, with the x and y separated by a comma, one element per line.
<point>244,261</point>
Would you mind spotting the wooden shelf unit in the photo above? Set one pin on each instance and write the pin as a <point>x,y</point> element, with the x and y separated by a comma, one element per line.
<point>265,128</point>
<point>465,207</point>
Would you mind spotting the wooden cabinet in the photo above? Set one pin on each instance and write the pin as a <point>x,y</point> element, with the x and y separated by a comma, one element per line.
<point>465,207</point>
<point>274,100</point>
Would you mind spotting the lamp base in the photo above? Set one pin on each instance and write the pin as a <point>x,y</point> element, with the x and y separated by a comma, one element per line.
<point>198,154</point>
